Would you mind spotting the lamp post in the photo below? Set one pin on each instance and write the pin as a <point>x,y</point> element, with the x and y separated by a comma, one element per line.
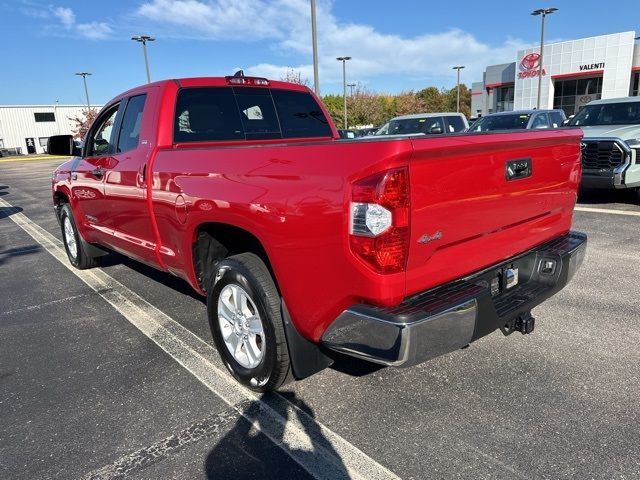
<point>351,85</point>
<point>344,85</point>
<point>458,68</point>
<point>144,39</point>
<point>314,42</point>
<point>86,90</point>
<point>544,12</point>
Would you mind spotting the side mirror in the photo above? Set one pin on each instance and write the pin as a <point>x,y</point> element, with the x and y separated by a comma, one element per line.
<point>435,129</point>
<point>62,145</point>
<point>566,122</point>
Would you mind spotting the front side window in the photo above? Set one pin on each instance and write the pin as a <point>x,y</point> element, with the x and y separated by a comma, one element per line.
<point>455,124</point>
<point>131,122</point>
<point>103,137</point>
<point>556,119</point>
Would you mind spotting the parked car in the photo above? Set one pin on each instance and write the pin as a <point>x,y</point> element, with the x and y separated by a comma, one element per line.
<point>394,250</point>
<point>343,133</point>
<point>611,143</point>
<point>425,123</point>
<point>365,132</point>
<point>519,120</point>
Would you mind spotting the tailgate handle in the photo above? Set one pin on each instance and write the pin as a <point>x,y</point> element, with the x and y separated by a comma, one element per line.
<point>520,168</point>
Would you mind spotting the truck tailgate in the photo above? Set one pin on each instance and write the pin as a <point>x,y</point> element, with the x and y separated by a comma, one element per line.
<point>466,214</point>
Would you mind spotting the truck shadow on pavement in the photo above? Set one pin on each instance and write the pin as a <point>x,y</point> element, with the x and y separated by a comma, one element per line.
<point>9,253</point>
<point>6,212</point>
<point>244,453</point>
<point>597,196</point>
<point>164,278</point>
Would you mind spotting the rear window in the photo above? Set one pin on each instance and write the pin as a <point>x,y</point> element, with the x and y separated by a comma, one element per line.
<point>239,113</point>
<point>299,114</point>
<point>501,122</point>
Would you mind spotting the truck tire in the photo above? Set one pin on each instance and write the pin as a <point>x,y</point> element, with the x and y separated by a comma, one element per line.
<point>73,244</point>
<point>243,306</point>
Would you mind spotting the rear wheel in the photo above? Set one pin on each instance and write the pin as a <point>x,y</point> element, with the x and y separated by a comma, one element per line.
<point>243,306</point>
<point>78,256</point>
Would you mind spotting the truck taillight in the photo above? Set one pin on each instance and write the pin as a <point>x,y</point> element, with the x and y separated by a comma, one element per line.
<point>379,220</point>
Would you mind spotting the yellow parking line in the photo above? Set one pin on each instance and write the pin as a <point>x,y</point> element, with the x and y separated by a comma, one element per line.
<point>607,210</point>
<point>30,159</point>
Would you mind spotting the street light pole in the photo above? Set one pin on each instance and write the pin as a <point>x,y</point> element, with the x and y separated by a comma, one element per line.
<point>351,85</point>
<point>86,90</point>
<point>344,85</point>
<point>544,12</point>
<point>458,68</point>
<point>314,41</point>
<point>144,39</point>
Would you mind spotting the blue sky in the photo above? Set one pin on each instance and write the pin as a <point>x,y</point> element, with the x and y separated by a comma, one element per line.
<point>395,45</point>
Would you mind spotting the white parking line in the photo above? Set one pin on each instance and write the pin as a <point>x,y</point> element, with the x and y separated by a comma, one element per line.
<point>320,451</point>
<point>607,210</point>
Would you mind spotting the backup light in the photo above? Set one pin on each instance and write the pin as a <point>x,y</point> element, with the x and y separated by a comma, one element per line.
<point>369,219</point>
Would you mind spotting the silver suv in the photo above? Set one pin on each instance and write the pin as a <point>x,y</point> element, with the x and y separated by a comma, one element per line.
<point>519,120</point>
<point>611,143</point>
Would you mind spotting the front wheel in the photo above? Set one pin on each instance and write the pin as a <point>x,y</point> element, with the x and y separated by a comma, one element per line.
<point>243,307</point>
<point>78,255</point>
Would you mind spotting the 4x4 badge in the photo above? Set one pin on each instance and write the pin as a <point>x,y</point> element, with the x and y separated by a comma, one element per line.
<point>427,238</point>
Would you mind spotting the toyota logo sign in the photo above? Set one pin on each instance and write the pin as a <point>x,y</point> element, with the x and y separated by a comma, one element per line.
<point>529,62</point>
<point>529,66</point>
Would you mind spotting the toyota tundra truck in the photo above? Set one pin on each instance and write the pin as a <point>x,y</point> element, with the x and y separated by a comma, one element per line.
<point>391,249</point>
<point>611,143</point>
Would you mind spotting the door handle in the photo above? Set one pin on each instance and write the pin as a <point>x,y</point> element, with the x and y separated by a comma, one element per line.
<point>520,168</point>
<point>97,172</point>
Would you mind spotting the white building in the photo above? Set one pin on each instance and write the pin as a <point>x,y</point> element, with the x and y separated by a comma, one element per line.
<point>28,127</point>
<point>573,74</point>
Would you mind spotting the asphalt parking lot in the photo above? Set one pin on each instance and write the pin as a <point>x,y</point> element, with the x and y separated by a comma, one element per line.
<point>112,374</point>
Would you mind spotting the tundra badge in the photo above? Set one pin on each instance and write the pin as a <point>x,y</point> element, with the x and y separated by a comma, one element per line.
<point>426,238</point>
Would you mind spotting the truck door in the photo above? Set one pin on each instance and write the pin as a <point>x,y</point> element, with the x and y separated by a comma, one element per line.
<point>125,183</point>
<point>87,176</point>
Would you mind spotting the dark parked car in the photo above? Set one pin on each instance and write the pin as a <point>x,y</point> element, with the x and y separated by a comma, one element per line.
<point>519,120</point>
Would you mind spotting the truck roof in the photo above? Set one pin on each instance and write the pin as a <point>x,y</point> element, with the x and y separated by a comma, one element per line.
<point>428,115</point>
<point>522,112</point>
<point>214,82</point>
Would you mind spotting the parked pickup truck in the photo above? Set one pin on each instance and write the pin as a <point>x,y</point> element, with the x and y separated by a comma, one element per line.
<point>611,143</point>
<point>390,249</point>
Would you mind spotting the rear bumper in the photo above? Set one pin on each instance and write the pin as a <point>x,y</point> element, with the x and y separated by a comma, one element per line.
<point>450,317</point>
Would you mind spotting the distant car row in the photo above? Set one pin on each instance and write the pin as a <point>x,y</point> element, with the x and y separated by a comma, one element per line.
<point>610,146</point>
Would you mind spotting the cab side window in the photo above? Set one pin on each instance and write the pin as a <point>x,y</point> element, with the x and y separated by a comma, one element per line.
<point>130,126</point>
<point>103,137</point>
<point>540,121</point>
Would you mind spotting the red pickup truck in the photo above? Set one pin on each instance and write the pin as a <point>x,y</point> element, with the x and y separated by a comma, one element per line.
<point>390,249</point>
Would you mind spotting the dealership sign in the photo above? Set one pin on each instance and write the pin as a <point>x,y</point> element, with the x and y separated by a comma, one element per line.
<point>591,66</point>
<point>530,66</point>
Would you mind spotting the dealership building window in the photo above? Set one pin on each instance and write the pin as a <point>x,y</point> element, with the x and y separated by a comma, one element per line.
<point>635,84</point>
<point>44,116</point>
<point>504,98</point>
<point>573,94</point>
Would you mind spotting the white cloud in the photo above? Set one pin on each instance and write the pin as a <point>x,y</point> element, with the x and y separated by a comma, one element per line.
<point>66,22</point>
<point>286,24</point>
<point>65,15</point>
<point>95,30</point>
